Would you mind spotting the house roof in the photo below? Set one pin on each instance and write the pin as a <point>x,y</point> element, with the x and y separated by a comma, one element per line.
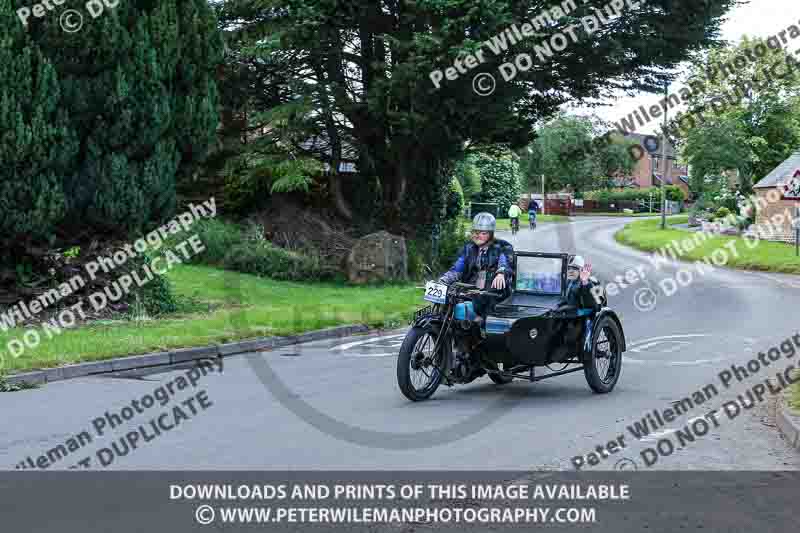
<point>781,172</point>
<point>658,176</point>
<point>640,137</point>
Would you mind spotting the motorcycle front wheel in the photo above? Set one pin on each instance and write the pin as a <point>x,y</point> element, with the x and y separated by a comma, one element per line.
<point>417,375</point>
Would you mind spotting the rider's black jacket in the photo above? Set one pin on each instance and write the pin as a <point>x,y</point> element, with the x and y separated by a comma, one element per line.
<point>580,295</point>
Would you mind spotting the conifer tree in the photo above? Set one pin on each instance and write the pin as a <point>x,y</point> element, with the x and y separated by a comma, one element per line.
<point>38,146</point>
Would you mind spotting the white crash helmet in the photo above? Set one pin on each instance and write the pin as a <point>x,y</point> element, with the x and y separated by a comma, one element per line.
<point>576,261</point>
<point>484,222</point>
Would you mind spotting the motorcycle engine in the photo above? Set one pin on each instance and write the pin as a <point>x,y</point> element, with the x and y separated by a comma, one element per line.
<point>465,369</point>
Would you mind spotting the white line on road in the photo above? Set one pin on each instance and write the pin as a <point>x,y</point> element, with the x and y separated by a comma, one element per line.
<point>666,337</point>
<point>673,363</point>
<point>367,341</point>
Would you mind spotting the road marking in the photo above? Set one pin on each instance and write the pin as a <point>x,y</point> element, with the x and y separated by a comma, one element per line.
<point>358,354</point>
<point>672,363</point>
<point>697,362</point>
<point>657,435</point>
<point>666,337</point>
<point>367,341</point>
<point>785,283</point>
<point>677,345</point>
<point>654,437</point>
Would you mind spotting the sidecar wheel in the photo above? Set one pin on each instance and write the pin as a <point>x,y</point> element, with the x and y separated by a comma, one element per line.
<point>603,364</point>
<point>417,378</point>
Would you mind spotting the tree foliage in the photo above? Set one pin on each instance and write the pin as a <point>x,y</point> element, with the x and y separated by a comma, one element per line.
<point>469,177</point>
<point>569,152</point>
<point>501,180</point>
<point>366,66</point>
<point>745,118</point>
<point>103,121</point>
<point>672,193</point>
<point>38,145</point>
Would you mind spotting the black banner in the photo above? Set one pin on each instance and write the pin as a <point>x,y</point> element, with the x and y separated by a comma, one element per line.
<point>618,502</point>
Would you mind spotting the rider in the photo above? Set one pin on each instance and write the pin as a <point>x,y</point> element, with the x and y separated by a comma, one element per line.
<point>486,262</point>
<point>513,213</point>
<point>532,211</point>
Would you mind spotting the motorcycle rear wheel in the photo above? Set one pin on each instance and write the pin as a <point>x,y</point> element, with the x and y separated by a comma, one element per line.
<point>415,361</point>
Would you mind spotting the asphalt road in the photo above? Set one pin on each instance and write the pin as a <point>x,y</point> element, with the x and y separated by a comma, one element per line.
<point>335,404</point>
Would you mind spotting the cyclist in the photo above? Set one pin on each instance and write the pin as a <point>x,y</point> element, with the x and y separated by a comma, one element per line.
<point>514,213</point>
<point>532,213</point>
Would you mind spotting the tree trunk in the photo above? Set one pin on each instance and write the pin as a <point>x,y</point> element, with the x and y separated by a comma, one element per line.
<point>412,192</point>
<point>339,201</point>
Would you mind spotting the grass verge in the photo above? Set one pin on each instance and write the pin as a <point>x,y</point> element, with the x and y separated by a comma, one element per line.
<point>225,306</point>
<point>794,397</point>
<point>765,256</point>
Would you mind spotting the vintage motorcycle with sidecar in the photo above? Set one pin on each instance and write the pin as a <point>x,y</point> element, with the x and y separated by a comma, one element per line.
<point>532,329</point>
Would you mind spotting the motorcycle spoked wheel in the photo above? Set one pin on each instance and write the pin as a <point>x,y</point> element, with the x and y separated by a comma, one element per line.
<point>417,376</point>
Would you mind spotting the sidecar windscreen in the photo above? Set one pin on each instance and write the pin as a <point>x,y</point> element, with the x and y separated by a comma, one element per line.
<point>540,275</point>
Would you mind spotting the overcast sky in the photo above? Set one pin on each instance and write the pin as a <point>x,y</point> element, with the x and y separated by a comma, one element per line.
<point>759,18</point>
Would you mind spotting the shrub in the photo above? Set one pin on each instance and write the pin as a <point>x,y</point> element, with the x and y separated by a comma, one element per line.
<point>452,238</point>
<point>156,296</point>
<point>672,192</point>
<point>722,212</point>
<point>675,194</point>
<point>267,260</point>
<point>244,249</point>
<point>217,236</point>
<point>251,177</point>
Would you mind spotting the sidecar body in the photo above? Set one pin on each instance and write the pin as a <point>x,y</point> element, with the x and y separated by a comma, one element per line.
<point>534,326</point>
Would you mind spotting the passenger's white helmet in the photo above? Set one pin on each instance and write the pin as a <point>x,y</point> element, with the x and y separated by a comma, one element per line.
<point>576,261</point>
<point>484,222</point>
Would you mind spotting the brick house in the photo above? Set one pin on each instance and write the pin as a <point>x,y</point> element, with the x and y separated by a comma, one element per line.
<point>649,170</point>
<point>777,196</point>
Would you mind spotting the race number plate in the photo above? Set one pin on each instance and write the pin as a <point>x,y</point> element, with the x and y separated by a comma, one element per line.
<point>435,292</point>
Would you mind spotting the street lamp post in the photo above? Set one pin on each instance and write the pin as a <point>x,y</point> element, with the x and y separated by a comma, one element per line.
<point>664,159</point>
<point>544,198</point>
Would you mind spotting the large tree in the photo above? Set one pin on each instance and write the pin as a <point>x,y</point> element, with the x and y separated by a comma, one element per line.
<point>137,85</point>
<point>38,145</point>
<point>367,67</point>
<point>743,118</point>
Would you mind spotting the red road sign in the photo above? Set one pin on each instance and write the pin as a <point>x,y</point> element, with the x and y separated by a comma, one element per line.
<point>791,189</point>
